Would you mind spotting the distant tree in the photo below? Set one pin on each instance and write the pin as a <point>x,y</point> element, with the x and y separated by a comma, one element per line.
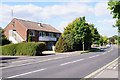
<point>113,39</point>
<point>105,40</point>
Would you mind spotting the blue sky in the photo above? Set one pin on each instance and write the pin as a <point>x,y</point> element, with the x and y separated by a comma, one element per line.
<point>59,14</point>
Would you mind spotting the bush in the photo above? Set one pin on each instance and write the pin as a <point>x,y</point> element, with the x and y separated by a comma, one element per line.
<point>29,49</point>
<point>61,45</point>
<point>5,41</point>
<point>9,49</point>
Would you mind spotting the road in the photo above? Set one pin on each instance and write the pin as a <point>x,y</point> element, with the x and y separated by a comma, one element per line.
<point>77,66</point>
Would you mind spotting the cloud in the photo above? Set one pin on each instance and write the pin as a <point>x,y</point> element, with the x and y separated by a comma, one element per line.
<point>107,22</point>
<point>100,9</point>
<point>34,12</point>
<point>55,0</point>
<point>95,12</point>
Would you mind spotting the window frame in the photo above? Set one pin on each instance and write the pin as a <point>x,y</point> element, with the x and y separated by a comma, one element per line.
<point>33,33</point>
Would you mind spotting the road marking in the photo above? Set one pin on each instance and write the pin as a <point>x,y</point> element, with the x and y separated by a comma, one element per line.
<point>97,55</point>
<point>27,73</point>
<point>104,53</point>
<point>71,62</point>
<point>33,62</point>
<point>92,57</point>
<point>107,51</point>
<point>91,75</point>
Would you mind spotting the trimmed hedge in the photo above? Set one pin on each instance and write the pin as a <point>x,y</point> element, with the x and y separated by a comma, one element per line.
<point>28,49</point>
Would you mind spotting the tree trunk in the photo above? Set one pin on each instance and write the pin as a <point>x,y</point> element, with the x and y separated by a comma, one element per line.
<point>83,46</point>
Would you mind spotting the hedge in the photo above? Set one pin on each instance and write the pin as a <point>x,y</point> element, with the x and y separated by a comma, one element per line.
<point>25,48</point>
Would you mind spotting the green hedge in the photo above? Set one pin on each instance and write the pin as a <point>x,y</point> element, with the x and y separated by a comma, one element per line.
<point>29,49</point>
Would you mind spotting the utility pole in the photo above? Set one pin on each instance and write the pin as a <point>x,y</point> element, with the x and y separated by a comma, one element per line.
<point>12,13</point>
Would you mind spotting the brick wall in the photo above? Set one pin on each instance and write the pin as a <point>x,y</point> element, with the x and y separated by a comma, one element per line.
<point>20,29</point>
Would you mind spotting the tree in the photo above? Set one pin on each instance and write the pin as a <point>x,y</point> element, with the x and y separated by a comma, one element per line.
<point>114,6</point>
<point>101,41</point>
<point>61,45</point>
<point>113,39</point>
<point>105,40</point>
<point>76,36</point>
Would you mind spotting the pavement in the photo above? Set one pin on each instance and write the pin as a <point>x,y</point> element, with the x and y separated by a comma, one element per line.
<point>109,72</point>
<point>61,65</point>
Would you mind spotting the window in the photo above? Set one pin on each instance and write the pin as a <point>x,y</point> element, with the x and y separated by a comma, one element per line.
<point>43,34</point>
<point>47,34</point>
<point>54,34</point>
<point>50,34</point>
<point>32,33</point>
<point>40,33</point>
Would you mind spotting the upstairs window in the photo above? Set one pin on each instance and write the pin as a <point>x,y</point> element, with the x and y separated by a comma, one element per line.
<point>43,34</point>
<point>54,34</point>
<point>32,33</point>
<point>40,33</point>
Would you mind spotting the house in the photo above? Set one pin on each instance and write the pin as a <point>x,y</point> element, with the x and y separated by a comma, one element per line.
<point>19,30</point>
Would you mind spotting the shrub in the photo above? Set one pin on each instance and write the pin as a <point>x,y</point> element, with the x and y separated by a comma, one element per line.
<point>9,49</point>
<point>29,49</point>
<point>5,41</point>
<point>61,45</point>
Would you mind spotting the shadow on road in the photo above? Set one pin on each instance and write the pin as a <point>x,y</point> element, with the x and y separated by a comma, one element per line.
<point>45,54</point>
<point>96,50</point>
<point>8,58</point>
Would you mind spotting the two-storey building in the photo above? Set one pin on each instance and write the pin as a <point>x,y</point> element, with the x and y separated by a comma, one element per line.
<point>19,31</point>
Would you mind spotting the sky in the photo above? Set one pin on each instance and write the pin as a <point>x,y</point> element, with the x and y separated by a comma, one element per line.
<point>60,13</point>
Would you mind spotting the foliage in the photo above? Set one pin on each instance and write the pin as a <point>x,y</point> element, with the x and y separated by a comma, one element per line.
<point>114,6</point>
<point>9,49</point>
<point>61,45</point>
<point>113,39</point>
<point>30,49</point>
<point>29,38</point>
<point>3,39</point>
<point>76,36</point>
<point>105,40</point>
<point>101,41</point>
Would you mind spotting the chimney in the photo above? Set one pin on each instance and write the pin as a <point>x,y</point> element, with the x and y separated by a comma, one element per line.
<point>40,24</point>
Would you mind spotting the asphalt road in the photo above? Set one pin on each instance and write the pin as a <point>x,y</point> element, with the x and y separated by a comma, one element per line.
<point>77,66</point>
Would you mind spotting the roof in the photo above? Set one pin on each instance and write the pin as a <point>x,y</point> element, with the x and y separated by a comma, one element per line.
<point>38,26</point>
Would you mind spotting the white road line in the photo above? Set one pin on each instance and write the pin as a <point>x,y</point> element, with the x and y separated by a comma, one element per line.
<point>92,57</point>
<point>27,73</point>
<point>71,62</point>
<point>104,53</point>
<point>97,55</point>
<point>107,51</point>
<point>32,63</point>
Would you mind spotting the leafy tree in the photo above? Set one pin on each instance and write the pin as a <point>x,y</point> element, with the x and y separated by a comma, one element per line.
<point>113,39</point>
<point>105,40</point>
<point>76,36</point>
<point>114,6</point>
<point>101,41</point>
